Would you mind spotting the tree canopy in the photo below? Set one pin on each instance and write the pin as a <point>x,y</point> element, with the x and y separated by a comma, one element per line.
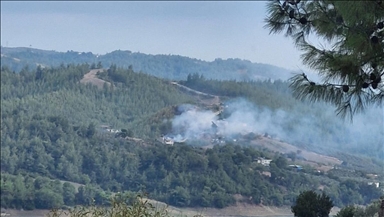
<point>58,148</point>
<point>351,64</point>
<point>311,204</point>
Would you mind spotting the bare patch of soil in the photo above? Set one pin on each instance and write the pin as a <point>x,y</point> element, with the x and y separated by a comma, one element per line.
<point>285,148</point>
<point>91,77</point>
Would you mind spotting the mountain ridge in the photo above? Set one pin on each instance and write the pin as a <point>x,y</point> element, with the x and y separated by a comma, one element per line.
<point>174,67</point>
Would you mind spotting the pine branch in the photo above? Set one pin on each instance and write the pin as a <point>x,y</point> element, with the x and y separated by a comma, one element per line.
<point>352,70</point>
<point>351,100</point>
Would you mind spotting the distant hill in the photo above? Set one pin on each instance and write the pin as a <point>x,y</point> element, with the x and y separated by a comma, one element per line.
<point>173,67</point>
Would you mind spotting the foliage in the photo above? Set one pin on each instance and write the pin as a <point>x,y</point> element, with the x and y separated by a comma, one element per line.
<point>348,211</point>
<point>311,204</point>
<point>267,93</point>
<point>119,106</point>
<point>172,67</point>
<point>322,127</point>
<point>352,65</point>
<point>120,207</point>
<point>51,133</point>
<point>354,211</point>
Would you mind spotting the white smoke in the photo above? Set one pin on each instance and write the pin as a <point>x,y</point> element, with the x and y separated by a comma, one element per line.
<point>193,123</point>
<point>321,129</point>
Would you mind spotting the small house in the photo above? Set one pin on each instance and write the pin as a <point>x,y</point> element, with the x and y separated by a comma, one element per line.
<point>263,161</point>
<point>376,184</point>
<point>294,166</point>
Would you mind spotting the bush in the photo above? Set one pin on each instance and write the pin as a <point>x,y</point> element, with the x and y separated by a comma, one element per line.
<point>119,208</point>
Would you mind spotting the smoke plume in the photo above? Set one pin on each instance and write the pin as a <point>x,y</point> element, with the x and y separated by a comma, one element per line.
<point>320,129</point>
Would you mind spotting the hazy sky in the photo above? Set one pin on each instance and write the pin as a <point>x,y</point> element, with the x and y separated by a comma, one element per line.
<point>202,30</point>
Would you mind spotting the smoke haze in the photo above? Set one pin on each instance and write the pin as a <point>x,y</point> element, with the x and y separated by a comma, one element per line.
<point>320,128</point>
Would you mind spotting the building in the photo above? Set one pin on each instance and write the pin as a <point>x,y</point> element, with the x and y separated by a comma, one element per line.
<point>294,166</point>
<point>376,184</point>
<point>168,140</point>
<point>263,161</point>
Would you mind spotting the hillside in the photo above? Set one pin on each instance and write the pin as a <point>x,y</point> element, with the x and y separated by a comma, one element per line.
<point>91,77</point>
<point>164,66</point>
<point>263,108</point>
<point>56,129</point>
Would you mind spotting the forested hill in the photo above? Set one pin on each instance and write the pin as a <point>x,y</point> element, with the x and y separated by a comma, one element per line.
<point>52,132</point>
<point>164,66</point>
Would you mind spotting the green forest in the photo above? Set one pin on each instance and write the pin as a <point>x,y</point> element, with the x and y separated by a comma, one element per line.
<point>165,66</point>
<point>55,152</point>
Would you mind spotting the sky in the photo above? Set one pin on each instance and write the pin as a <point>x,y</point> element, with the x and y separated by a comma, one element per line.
<point>197,29</point>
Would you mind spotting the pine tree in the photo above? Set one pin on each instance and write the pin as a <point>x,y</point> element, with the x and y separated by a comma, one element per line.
<point>352,68</point>
<point>311,204</point>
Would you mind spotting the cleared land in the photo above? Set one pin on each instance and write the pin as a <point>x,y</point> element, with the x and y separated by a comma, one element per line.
<point>91,77</point>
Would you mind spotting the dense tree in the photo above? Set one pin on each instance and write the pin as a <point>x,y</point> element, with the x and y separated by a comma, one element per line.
<point>372,210</point>
<point>69,194</point>
<point>50,131</point>
<point>281,162</point>
<point>46,199</point>
<point>99,65</point>
<point>311,204</point>
<point>352,65</point>
<point>173,67</point>
<point>348,211</point>
<point>6,193</point>
<point>180,197</point>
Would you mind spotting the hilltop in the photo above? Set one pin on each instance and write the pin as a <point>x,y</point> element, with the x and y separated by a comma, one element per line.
<point>173,67</point>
